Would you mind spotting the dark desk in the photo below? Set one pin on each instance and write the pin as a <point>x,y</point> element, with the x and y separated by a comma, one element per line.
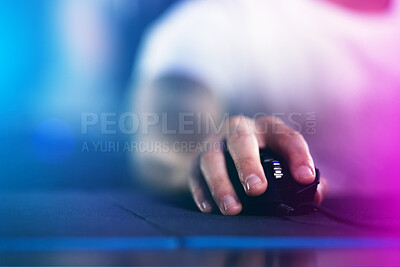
<point>133,228</point>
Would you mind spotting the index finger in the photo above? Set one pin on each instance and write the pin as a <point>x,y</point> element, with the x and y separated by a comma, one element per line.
<point>290,144</point>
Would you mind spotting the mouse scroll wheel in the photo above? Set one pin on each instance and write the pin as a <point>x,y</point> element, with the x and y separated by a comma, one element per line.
<point>276,165</point>
<point>277,169</point>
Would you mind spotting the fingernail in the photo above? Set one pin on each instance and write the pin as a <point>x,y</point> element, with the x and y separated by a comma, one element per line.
<point>304,173</point>
<point>229,202</point>
<point>252,181</point>
<point>205,205</point>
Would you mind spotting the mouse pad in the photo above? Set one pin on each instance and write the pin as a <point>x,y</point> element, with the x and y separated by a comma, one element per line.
<point>134,228</point>
<point>133,213</point>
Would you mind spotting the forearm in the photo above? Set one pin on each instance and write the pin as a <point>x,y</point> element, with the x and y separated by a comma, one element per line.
<point>169,166</point>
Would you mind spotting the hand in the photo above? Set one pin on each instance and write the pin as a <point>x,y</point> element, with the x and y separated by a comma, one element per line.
<point>244,138</point>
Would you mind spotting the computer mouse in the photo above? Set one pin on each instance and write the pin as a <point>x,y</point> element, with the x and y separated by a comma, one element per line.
<point>284,196</point>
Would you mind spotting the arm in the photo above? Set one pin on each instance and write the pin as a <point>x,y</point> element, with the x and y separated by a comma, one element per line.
<point>210,184</point>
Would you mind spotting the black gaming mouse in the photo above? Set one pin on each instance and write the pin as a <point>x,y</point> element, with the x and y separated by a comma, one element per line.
<point>284,196</point>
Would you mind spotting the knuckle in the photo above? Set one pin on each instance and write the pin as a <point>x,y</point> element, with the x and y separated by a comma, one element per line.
<point>207,157</point>
<point>236,120</point>
<point>271,124</point>
<point>262,121</point>
<point>270,120</point>
<point>244,163</point>
<point>217,187</point>
<point>277,120</point>
<point>294,133</point>
<point>240,136</point>
<point>289,136</point>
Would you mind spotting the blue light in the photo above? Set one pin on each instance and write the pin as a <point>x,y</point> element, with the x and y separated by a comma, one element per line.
<point>53,140</point>
<point>192,242</point>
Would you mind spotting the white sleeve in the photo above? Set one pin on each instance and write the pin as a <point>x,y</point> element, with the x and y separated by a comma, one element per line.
<point>194,39</point>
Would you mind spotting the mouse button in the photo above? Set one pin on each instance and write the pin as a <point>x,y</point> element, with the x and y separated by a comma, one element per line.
<point>299,188</point>
<point>287,192</point>
<point>270,195</point>
<point>317,176</point>
<point>306,194</point>
<point>286,181</point>
<point>262,208</point>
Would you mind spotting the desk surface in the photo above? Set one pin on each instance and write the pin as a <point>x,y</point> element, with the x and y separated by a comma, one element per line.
<point>80,227</point>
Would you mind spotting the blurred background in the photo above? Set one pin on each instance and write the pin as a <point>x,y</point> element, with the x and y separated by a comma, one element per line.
<point>63,60</point>
<point>58,60</point>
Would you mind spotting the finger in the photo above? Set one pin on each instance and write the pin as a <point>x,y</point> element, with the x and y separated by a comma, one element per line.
<point>243,147</point>
<point>290,145</point>
<point>200,193</point>
<point>213,167</point>
<point>322,191</point>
